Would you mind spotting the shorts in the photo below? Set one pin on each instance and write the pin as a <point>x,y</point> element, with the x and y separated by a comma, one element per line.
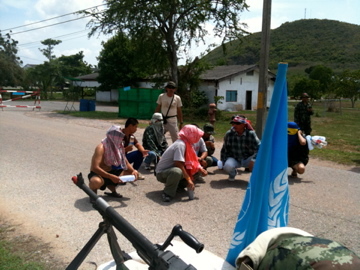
<point>107,181</point>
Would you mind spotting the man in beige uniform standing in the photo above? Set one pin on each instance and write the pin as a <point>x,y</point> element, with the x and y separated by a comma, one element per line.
<point>169,104</point>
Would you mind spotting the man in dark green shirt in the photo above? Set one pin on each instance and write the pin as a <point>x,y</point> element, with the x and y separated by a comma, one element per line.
<point>302,113</point>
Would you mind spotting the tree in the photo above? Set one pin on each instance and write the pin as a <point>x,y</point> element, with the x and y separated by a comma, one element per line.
<point>44,77</point>
<point>347,85</point>
<point>73,65</point>
<point>123,61</point>
<point>322,74</point>
<point>312,87</point>
<point>52,74</point>
<point>11,73</point>
<point>48,51</point>
<point>48,72</point>
<point>177,22</point>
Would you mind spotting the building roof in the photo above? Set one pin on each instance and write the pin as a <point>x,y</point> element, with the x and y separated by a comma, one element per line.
<point>89,77</point>
<point>221,72</point>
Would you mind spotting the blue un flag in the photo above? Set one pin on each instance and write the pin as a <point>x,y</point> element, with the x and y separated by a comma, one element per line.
<point>266,202</point>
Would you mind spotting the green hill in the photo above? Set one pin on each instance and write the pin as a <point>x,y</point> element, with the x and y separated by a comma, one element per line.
<point>301,44</point>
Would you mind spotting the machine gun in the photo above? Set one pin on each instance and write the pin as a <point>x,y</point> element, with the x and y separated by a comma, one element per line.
<point>153,254</point>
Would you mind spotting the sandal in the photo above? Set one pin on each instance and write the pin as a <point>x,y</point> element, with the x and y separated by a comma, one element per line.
<point>113,194</point>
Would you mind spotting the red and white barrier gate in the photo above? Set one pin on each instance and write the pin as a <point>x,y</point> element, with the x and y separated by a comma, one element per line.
<point>22,93</point>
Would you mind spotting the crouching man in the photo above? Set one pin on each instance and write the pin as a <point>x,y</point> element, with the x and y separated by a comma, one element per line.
<point>180,162</point>
<point>109,162</point>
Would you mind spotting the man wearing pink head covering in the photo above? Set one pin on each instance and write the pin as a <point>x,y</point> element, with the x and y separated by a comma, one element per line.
<point>109,162</point>
<point>179,162</point>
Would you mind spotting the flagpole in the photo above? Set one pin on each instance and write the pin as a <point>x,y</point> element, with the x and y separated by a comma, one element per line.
<point>263,69</point>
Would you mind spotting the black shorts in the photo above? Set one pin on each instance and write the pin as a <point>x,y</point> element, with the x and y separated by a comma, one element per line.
<point>297,154</point>
<point>107,181</point>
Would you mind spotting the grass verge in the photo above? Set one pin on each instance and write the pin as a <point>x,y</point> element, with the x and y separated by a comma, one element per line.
<point>24,252</point>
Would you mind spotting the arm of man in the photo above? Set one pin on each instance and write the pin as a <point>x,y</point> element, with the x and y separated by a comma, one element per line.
<point>225,152</point>
<point>142,149</point>
<point>181,165</point>
<point>296,114</point>
<point>158,108</point>
<point>203,153</point>
<point>302,140</point>
<point>180,117</point>
<point>98,166</point>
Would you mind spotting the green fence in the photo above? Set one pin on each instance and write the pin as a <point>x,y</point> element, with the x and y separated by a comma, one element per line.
<point>138,102</point>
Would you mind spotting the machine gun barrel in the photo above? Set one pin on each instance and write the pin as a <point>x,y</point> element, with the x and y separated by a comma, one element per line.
<point>154,255</point>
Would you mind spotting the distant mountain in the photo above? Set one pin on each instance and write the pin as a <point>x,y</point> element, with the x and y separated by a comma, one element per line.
<point>301,44</point>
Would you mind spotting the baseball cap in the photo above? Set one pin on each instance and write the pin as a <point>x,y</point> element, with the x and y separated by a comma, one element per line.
<point>209,128</point>
<point>170,84</point>
<point>293,125</point>
<point>293,128</point>
<point>304,95</point>
<point>238,119</point>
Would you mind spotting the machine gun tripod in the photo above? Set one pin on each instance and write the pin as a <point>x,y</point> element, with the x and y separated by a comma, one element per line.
<point>153,254</point>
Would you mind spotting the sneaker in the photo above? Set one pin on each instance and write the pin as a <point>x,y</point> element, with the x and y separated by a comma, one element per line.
<point>141,177</point>
<point>232,178</point>
<point>198,178</point>
<point>165,197</point>
<point>147,166</point>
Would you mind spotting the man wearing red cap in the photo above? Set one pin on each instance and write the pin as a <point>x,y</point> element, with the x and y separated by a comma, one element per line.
<point>240,147</point>
<point>302,113</point>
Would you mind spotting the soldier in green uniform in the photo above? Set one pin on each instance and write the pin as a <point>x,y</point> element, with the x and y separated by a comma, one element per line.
<point>302,113</point>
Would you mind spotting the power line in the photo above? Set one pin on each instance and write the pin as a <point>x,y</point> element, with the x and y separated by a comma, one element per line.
<point>29,43</point>
<point>72,13</point>
<point>36,44</point>
<point>50,25</point>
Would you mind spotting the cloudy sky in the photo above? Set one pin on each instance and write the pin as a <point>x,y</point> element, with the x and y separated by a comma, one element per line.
<point>28,19</point>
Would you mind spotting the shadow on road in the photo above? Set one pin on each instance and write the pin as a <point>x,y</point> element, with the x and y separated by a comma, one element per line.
<point>84,204</point>
<point>225,183</point>
<point>297,180</point>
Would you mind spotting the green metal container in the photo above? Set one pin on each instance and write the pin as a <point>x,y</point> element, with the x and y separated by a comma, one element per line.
<point>138,102</point>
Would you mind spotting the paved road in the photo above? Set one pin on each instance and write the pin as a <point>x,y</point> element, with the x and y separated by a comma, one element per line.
<point>41,151</point>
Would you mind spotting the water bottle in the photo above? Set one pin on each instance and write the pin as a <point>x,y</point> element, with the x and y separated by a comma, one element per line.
<point>132,140</point>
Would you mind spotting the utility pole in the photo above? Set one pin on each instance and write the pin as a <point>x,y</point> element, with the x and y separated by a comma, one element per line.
<point>263,68</point>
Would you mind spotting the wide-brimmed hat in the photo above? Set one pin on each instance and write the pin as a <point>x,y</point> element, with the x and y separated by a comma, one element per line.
<point>209,128</point>
<point>170,84</point>
<point>304,95</point>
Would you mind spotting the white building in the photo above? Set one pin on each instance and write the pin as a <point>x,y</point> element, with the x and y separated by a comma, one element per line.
<point>237,84</point>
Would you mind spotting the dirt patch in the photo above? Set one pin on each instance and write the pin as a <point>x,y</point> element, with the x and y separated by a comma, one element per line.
<point>29,247</point>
